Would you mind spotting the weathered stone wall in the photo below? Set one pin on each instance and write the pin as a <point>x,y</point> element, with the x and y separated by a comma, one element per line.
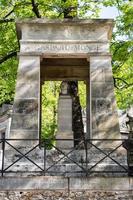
<point>64,195</point>
<point>25,117</point>
<point>103,106</point>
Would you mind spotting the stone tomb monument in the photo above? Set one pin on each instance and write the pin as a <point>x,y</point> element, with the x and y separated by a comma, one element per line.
<point>64,50</point>
<point>64,121</point>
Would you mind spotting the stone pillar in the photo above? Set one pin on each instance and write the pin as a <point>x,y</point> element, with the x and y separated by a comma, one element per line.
<point>64,120</point>
<point>26,109</point>
<point>104,115</point>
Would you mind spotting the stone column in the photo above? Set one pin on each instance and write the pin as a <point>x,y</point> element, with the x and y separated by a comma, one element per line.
<point>25,122</point>
<point>103,106</point>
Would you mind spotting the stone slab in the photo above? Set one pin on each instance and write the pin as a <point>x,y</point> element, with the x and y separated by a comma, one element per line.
<point>71,184</point>
<point>64,32</point>
<point>33,183</point>
<point>102,183</point>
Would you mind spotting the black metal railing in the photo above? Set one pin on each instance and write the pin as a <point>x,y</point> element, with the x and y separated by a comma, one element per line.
<point>98,156</point>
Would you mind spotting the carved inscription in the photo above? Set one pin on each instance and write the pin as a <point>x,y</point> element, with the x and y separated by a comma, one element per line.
<point>65,48</point>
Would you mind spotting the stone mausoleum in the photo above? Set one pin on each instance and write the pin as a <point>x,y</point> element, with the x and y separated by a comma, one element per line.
<point>65,50</point>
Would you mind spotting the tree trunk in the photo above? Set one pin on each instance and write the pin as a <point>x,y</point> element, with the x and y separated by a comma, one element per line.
<point>77,122</point>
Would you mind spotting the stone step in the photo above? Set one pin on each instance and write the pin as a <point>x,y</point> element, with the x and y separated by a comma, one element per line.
<point>64,183</point>
<point>23,168</point>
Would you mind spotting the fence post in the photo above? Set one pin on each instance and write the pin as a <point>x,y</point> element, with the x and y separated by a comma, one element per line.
<point>2,149</point>
<point>130,146</point>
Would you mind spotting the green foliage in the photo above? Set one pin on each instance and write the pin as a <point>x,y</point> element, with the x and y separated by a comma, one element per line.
<point>50,93</point>
<point>122,50</point>
<point>82,93</point>
<point>8,72</point>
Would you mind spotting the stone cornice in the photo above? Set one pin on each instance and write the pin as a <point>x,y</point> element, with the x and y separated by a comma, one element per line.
<point>74,21</point>
<point>70,22</point>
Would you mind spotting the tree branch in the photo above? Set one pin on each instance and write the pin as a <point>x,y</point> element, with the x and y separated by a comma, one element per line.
<point>121,79</point>
<point>115,83</point>
<point>8,56</point>
<point>35,8</point>
<point>118,7</point>
<point>6,20</point>
<point>7,15</point>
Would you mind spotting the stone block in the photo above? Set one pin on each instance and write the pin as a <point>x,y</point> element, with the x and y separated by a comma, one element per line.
<point>33,183</point>
<point>32,75</point>
<point>66,31</point>
<point>25,106</point>
<point>23,134</point>
<point>107,134</point>
<point>101,69</point>
<point>107,121</point>
<point>107,140</point>
<point>19,144</point>
<point>25,121</point>
<point>66,140</point>
<point>102,90</point>
<point>100,183</point>
<point>98,75</point>
<point>103,48</point>
<point>103,106</point>
<point>29,68</point>
<point>27,90</point>
<point>99,62</point>
<point>28,60</point>
<point>101,74</point>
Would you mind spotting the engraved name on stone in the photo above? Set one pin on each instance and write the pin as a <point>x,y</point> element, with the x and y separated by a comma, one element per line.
<point>59,47</point>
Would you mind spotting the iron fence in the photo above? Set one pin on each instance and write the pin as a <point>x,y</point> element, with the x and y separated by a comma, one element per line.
<point>46,158</point>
